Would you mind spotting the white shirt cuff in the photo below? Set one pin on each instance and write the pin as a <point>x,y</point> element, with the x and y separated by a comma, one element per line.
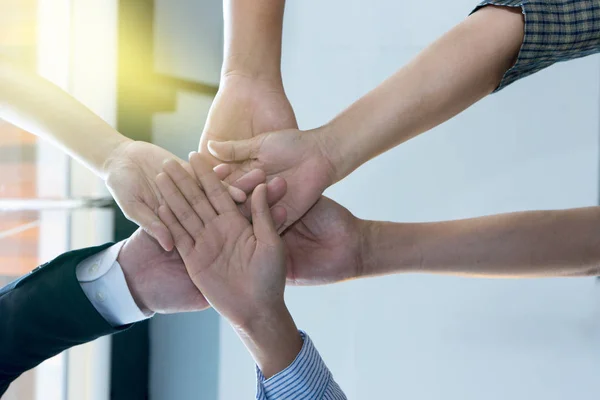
<point>102,280</point>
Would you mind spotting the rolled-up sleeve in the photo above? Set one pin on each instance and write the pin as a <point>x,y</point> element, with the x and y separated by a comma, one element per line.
<point>307,378</point>
<point>555,30</point>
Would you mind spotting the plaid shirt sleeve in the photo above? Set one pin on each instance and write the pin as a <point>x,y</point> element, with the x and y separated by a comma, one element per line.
<point>555,30</point>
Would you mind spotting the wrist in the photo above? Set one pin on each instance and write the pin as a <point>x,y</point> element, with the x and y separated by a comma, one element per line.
<point>333,148</point>
<point>392,248</point>
<point>273,340</point>
<point>367,243</point>
<point>241,66</point>
<point>130,265</point>
<point>114,151</point>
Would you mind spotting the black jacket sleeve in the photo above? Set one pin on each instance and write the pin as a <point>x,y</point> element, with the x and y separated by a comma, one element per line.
<point>44,313</point>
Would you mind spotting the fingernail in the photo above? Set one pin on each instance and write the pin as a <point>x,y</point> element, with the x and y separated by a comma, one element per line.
<point>211,148</point>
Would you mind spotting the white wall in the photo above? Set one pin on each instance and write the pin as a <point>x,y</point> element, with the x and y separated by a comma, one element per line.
<point>189,39</point>
<point>532,146</point>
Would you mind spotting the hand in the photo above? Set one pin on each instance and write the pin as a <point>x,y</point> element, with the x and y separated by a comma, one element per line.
<point>298,157</point>
<point>244,107</point>
<point>131,170</point>
<point>325,246</point>
<point>239,267</point>
<point>157,279</point>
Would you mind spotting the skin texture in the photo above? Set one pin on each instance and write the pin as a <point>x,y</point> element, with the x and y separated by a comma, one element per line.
<point>158,279</point>
<point>297,158</point>
<point>451,74</point>
<point>251,98</point>
<point>238,266</point>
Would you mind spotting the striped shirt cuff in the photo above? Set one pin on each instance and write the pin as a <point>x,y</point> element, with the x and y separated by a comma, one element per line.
<point>555,30</point>
<point>306,378</point>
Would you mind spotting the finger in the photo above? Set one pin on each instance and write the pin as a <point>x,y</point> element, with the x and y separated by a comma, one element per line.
<point>188,168</point>
<point>153,226</point>
<point>183,241</point>
<point>279,215</point>
<point>215,192</point>
<point>192,193</point>
<point>276,189</point>
<point>223,170</point>
<point>264,228</point>
<point>238,195</point>
<point>248,182</point>
<point>231,173</point>
<point>233,151</point>
<point>182,210</point>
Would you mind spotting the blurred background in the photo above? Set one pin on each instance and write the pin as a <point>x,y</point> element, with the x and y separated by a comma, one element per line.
<point>151,69</point>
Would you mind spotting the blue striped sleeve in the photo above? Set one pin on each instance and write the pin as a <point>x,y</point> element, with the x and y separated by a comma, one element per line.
<point>307,378</point>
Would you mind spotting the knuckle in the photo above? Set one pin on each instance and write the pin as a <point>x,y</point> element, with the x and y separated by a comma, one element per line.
<point>185,214</point>
<point>214,191</point>
<point>197,199</point>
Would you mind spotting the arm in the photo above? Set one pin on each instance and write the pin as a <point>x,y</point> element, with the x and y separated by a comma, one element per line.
<point>563,243</point>
<point>89,293</point>
<point>251,98</point>
<point>494,47</point>
<point>240,268</point>
<point>128,167</point>
<point>253,31</point>
<point>329,244</point>
<point>44,313</point>
<point>460,68</point>
<point>451,74</point>
<point>41,108</point>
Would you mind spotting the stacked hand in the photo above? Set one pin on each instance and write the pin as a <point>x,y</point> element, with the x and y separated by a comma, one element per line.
<point>238,266</point>
<point>324,246</point>
<point>227,258</point>
<point>130,173</point>
<point>298,157</point>
<point>158,279</point>
<point>246,107</point>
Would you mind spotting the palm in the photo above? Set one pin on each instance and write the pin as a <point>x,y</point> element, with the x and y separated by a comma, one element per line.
<point>244,108</point>
<point>227,250</point>
<point>324,246</point>
<point>160,276</point>
<point>293,155</point>
<point>236,265</point>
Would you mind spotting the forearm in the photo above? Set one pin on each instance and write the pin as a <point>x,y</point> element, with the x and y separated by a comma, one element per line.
<point>41,108</point>
<point>273,340</point>
<point>454,72</point>
<point>253,30</point>
<point>528,244</point>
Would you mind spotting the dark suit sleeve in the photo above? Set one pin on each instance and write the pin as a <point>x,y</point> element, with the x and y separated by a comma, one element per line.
<point>44,313</point>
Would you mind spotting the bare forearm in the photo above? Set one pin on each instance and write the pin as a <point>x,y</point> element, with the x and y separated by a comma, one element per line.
<point>454,72</point>
<point>37,106</point>
<point>253,30</point>
<point>273,341</point>
<point>529,244</point>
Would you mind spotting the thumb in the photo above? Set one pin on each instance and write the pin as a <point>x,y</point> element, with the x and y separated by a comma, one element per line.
<point>233,151</point>
<point>262,221</point>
